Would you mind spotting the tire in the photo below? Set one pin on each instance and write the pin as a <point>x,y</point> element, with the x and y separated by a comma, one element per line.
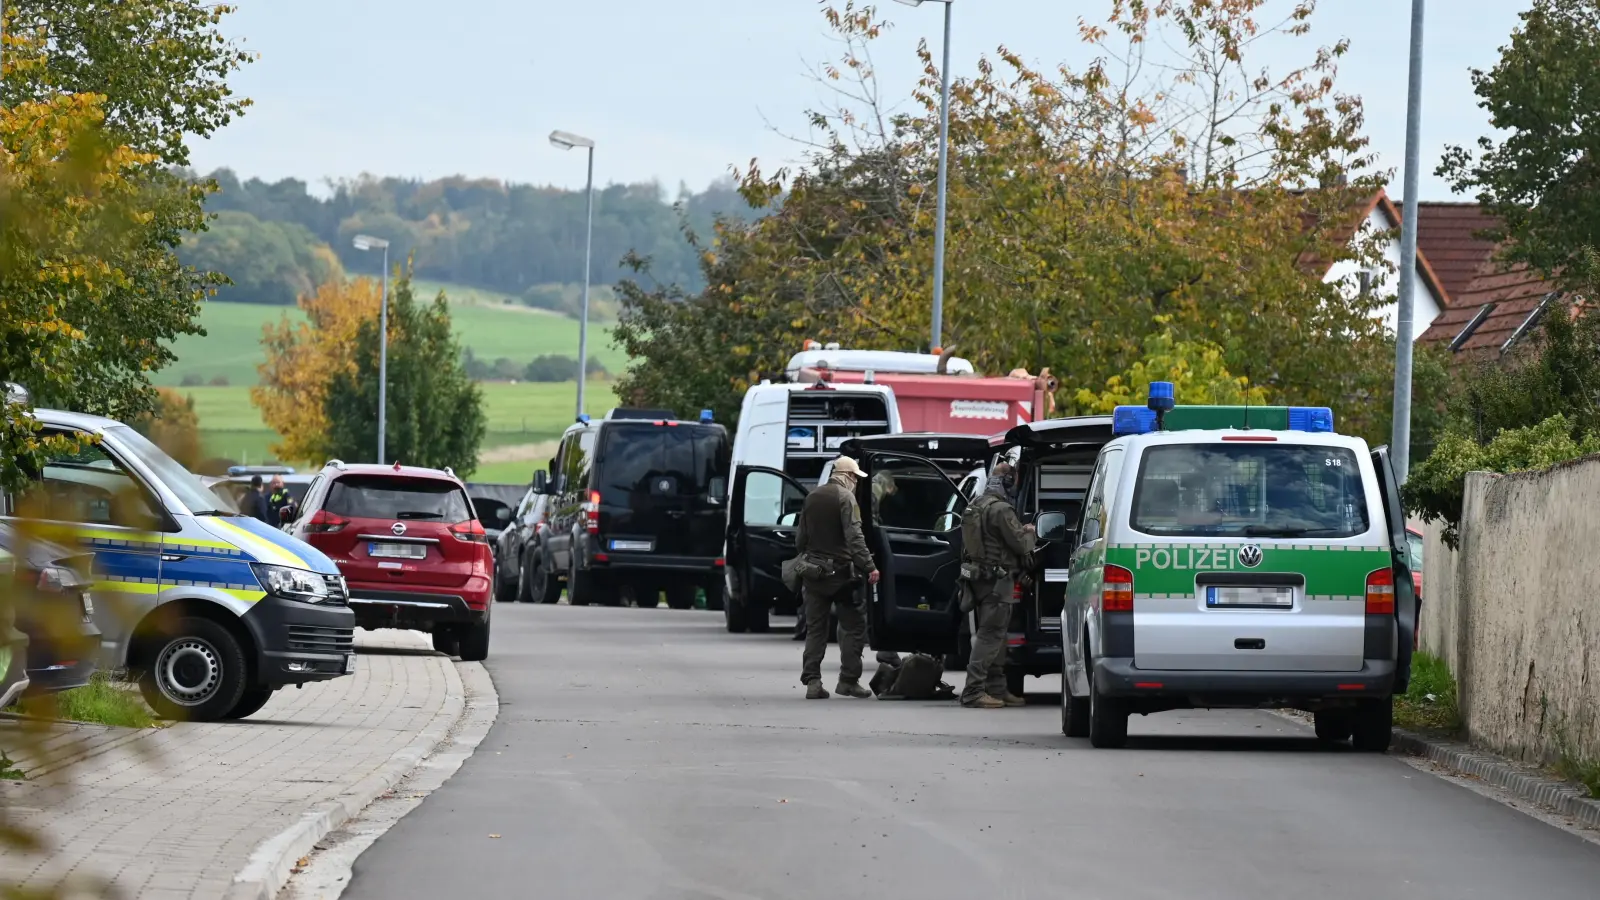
<point>756,618</point>
<point>475,640</point>
<point>733,612</point>
<point>523,593</point>
<point>1334,725</point>
<point>1108,718</point>
<point>1015,680</point>
<point>580,585</point>
<point>1372,727</point>
<point>196,672</point>
<point>680,596</point>
<point>445,641</point>
<point>250,703</point>
<point>1074,711</point>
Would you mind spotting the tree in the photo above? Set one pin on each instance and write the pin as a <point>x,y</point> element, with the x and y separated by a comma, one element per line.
<point>435,415</point>
<point>266,262</point>
<point>173,427</point>
<point>1196,369</point>
<point>1541,177</point>
<point>302,359</point>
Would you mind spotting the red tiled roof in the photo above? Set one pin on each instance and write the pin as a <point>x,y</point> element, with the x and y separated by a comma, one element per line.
<point>1344,231</point>
<point>1447,235</point>
<point>1515,293</point>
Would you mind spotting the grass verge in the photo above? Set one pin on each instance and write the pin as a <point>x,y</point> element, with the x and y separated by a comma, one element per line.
<point>1429,704</point>
<point>102,702</point>
<point>1583,771</point>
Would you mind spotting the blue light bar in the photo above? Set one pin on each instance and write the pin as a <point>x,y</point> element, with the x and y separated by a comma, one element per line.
<point>1161,396</point>
<point>705,415</point>
<point>1317,419</point>
<point>584,418</point>
<point>1132,420</point>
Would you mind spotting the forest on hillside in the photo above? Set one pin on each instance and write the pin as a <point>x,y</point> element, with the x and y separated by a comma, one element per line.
<point>277,240</point>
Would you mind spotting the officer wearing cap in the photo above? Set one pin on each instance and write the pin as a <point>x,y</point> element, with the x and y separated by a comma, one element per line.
<point>995,547</point>
<point>835,559</point>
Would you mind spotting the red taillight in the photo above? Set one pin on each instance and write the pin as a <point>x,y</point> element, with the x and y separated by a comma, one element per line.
<point>1016,590</point>
<point>1117,594</point>
<point>1254,438</point>
<point>591,512</point>
<point>718,563</point>
<point>538,528</point>
<point>324,522</point>
<point>1380,593</point>
<point>470,531</point>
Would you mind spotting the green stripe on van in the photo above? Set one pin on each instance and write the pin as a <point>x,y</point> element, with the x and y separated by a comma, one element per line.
<point>1329,569</point>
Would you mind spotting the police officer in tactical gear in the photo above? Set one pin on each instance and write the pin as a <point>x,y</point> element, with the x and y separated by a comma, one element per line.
<point>995,549</point>
<point>833,559</point>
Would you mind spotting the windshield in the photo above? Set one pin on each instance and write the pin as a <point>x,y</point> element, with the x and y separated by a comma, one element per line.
<point>386,497</point>
<point>186,485</point>
<point>1250,490</point>
<point>1414,551</point>
<point>637,459</point>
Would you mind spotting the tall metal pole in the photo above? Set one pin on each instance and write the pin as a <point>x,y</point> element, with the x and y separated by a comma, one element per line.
<point>944,163</point>
<point>383,358</point>
<point>583,323</point>
<point>1401,439</point>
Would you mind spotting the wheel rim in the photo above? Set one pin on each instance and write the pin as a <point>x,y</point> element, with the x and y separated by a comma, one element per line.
<point>189,671</point>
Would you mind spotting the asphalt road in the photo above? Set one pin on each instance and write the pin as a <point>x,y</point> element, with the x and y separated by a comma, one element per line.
<point>649,755</point>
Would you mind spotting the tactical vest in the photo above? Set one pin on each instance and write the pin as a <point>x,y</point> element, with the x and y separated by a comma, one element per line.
<point>979,545</point>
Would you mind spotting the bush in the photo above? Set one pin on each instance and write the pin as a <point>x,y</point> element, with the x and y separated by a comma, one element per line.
<point>219,381</point>
<point>191,380</point>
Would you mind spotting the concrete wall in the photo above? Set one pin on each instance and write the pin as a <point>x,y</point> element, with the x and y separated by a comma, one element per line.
<point>1516,612</point>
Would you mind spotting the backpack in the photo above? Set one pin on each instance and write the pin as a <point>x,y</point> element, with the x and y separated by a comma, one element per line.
<point>917,677</point>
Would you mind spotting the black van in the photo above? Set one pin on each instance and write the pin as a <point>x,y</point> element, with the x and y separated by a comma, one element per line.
<point>637,507</point>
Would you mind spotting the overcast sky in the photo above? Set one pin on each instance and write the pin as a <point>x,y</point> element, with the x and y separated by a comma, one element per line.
<point>677,90</point>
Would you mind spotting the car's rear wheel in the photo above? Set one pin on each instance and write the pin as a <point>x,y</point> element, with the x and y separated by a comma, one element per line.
<point>475,640</point>
<point>1108,718</point>
<point>681,596</point>
<point>196,672</point>
<point>733,611</point>
<point>1074,710</point>
<point>579,586</point>
<point>1334,725</point>
<point>538,586</point>
<point>444,640</point>
<point>250,703</point>
<point>713,591</point>
<point>757,617</point>
<point>1373,726</point>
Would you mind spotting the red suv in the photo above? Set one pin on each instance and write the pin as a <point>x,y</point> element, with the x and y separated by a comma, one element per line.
<point>411,548</point>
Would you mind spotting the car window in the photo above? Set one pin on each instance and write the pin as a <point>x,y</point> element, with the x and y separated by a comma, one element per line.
<point>184,484</point>
<point>911,493</point>
<point>576,463</point>
<point>387,497</point>
<point>655,460</point>
<point>1253,490</point>
<point>87,484</point>
<point>770,499</point>
<point>1414,551</point>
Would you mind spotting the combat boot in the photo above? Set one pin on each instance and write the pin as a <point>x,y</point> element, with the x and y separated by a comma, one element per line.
<point>1011,699</point>
<point>815,691</point>
<point>984,701</point>
<point>850,689</point>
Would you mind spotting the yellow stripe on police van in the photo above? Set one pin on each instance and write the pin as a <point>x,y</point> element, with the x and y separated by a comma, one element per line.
<point>261,548</point>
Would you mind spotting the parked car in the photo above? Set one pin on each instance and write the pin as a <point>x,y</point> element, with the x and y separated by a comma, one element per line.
<point>494,505</point>
<point>411,548</point>
<point>520,560</point>
<point>13,645</point>
<point>214,610</point>
<point>638,505</point>
<point>54,609</point>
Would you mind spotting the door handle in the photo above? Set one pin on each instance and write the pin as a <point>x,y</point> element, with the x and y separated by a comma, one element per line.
<point>783,535</point>
<point>909,539</point>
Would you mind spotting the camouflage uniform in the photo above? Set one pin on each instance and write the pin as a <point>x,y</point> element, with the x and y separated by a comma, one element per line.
<point>995,550</point>
<point>829,532</point>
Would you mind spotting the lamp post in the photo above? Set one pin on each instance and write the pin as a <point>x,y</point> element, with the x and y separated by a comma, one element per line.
<point>368,242</point>
<point>1400,441</point>
<point>567,141</point>
<point>944,162</point>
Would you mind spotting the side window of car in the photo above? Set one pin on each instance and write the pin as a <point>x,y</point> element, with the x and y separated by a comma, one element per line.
<point>912,494</point>
<point>558,466</point>
<point>1092,520</point>
<point>86,484</point>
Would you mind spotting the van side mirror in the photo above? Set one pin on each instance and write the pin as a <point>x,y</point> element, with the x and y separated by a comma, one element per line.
<point>541,482</point>
<point>1051,526</point>
<point>717,489</point>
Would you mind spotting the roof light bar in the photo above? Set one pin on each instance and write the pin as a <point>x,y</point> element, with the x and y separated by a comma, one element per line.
<point>1315,419</point>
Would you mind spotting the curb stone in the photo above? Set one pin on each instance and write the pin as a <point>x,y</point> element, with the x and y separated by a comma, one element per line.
<point>274,859</point>
<point>1558,796</point>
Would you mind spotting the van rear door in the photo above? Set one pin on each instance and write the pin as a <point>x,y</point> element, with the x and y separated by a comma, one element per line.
<point>1407,605</point>
<point>912,524</point>
<point>660,486</point>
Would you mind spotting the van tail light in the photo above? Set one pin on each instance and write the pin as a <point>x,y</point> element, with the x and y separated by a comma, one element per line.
<point>1380,593</point>
<point>538,528</point>
<point>1016,590</point>
<point>471,531</point>
<point>591,512</point>
<point>1117,594</point>
<point>324,522</point>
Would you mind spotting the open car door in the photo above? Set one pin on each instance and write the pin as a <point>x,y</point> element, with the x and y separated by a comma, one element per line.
<point>765,505</point>
<point>1407,606</point>
<point>913,526</point>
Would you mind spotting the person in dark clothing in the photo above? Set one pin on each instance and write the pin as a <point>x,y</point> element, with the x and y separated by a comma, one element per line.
<point>255,501</point>
<point>835,556</point>
<point>279,500</point>
<point>995,548</point>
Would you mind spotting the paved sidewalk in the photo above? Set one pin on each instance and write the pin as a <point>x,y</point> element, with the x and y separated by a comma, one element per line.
<point>178,812</point>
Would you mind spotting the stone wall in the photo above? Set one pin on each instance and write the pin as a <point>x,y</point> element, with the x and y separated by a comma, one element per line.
<point>1516,611</point>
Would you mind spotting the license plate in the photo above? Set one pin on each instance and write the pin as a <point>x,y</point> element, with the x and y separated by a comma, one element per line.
<point>645,546</point>
<point>350,664</point>
<point>1220,597</point>
<point>397,551</point>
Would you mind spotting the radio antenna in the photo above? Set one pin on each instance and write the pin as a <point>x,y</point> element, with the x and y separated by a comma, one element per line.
<point>1247,399</point>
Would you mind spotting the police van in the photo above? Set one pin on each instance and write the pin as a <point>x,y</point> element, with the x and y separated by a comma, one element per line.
<point>1235,557</point>
<point>213,610</point>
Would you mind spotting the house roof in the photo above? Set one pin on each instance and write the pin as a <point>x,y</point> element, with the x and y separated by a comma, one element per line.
<point>1496,305</point>
<point>1345,230</point>
<point>1447,234</point>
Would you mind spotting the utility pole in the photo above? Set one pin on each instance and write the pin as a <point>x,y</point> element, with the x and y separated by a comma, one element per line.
<point>1400,441</point>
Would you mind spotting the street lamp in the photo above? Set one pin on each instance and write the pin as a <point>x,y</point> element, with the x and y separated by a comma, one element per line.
<point>568,141</point>
<point>944,162</point>
<point>368,242</point>
<point>1400,442</point>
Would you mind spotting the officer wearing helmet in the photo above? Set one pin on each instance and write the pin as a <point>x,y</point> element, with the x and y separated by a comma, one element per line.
<point>832,562</point>
<point>995,549</point>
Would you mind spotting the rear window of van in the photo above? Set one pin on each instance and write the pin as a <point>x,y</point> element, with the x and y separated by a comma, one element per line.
<point>1249,490</point>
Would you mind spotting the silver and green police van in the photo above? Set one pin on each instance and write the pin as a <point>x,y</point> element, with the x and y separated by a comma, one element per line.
<point>1233,557</point>
<point>213,611</point>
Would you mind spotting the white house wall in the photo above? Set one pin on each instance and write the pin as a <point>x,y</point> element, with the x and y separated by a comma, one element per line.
<point>1385,284</point>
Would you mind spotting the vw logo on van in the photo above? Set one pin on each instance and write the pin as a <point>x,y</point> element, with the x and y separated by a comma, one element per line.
<point>400,528</point>
<point>1250,556</point>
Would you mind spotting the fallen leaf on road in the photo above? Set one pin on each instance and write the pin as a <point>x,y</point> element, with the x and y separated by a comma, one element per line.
<point>494,836</point>
<point>782,800</point>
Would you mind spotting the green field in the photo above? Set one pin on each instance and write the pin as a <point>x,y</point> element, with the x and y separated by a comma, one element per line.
<point>485,322</point>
